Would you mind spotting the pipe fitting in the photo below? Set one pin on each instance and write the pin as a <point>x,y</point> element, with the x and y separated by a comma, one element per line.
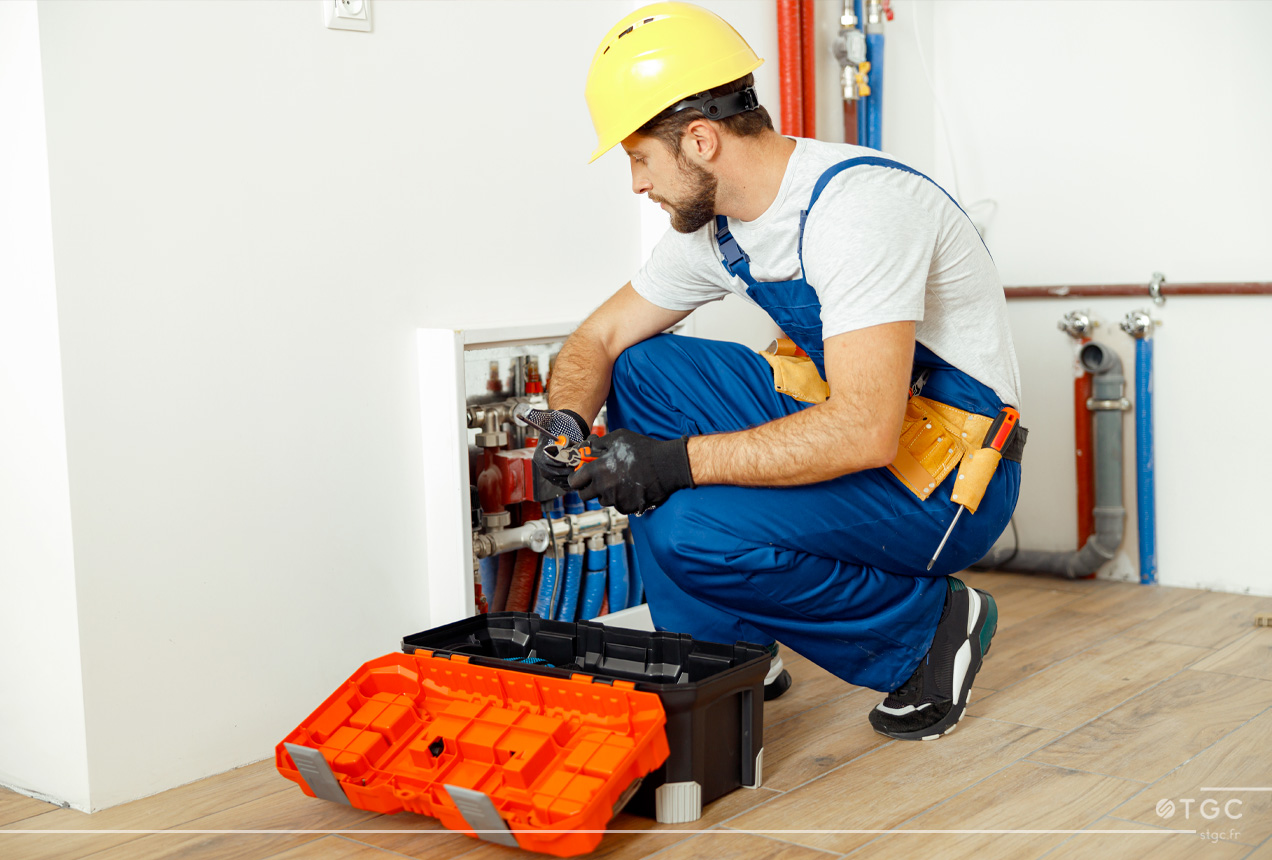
<point>496,521</point>
<point>1122,405</point>
<point>1077,324</point>
<point>1097,359</point>
<point>1138,324</point>
<point>1155,288</point>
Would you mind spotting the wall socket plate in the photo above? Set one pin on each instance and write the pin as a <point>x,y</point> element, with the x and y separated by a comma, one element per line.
<point>347,14</point>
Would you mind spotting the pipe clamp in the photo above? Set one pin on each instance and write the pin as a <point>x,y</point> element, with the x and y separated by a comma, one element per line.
<point>1122,405</point>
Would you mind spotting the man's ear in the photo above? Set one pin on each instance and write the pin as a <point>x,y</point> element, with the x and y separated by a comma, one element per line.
<point>702,139</point>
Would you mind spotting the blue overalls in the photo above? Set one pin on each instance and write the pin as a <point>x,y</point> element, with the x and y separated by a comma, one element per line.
<point>835,570</point>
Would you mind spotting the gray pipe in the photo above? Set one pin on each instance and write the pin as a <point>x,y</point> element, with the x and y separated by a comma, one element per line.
<point>1109,404</point>
<point>537,534</point>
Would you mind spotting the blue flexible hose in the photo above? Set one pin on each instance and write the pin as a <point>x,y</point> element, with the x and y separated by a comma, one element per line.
<point>573,504</point>
<point>592,504</point>
<point>618,580</point>
<point>594,584</point>
<point>546,601</point>
<point>863,105</point>
<point>1145,482</point>
<point>573,583</point>
<point>874,113</point>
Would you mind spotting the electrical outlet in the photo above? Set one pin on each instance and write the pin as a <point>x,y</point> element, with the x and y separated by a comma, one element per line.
<point>347,14</point>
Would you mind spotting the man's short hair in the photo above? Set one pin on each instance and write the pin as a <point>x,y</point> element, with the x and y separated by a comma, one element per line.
<point>670,127</point>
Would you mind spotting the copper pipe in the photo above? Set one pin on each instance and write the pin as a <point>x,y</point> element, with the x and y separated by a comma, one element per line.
<point>1064,292</point>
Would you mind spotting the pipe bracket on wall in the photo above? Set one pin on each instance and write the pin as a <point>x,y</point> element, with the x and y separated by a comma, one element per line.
<point>1155,288</point>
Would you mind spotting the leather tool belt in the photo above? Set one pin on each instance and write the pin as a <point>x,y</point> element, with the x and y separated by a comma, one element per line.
<point>935,437</point>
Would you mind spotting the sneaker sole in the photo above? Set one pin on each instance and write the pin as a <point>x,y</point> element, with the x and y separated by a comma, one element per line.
<point>980,635</point>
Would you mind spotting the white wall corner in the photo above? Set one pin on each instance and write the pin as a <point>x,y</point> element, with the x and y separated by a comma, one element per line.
<point>43,748</point>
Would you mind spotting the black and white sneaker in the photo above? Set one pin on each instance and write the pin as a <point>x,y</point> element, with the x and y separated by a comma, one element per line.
<point>778,680</point>
<point>932,702</point>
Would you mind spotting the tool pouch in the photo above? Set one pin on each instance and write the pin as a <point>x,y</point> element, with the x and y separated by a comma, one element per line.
<point>795,375</point>
<point>934,439</point>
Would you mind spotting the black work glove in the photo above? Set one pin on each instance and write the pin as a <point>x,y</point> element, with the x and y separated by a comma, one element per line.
<point>633,472</point>
<point>561,422</point>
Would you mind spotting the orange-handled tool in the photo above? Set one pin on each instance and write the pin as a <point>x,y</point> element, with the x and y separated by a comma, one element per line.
<point>571,454</point>
<point>995,438</point>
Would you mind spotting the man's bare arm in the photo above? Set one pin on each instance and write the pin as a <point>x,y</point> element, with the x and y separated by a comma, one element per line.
<point>857,428</point>
<point>581,374</point>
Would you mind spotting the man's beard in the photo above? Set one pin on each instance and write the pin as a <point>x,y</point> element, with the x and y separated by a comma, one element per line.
<point>688,215</point>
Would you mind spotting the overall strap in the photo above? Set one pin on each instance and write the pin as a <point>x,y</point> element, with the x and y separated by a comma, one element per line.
<point>873,160</point>
<point>735,262</point>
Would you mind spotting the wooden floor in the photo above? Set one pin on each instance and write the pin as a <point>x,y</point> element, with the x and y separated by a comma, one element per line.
<point>1100,707</point>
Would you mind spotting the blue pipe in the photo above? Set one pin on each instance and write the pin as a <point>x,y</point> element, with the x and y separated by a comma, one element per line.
<point>618,582</point>
<point>592,504</point>
<point>1145,482</point>
<point>573,504</point>
<point>863,106</point>
<point>546,601</point>
<point>874,112</point>
<point>594,582</point>
<point>573,582</point>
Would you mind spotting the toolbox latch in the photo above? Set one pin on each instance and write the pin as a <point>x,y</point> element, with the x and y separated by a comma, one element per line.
<point>317,773</point>
<point>481,816</point>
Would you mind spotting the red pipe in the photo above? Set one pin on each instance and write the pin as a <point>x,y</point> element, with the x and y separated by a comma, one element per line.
<point>1064,292</point>
<point>1082,446</point>
<point>521,589</point>
<point>790,67</point>
<point>808,56</point>
<point>850,121</point>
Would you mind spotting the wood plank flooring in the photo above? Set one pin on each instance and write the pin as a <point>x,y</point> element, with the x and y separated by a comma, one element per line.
<point>1110,721</point>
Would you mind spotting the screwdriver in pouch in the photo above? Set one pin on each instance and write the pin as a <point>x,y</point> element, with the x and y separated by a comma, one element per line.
<point>997,436</point>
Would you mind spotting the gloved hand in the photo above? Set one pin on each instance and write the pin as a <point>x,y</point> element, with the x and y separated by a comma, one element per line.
<point>563,422</point>
<point>633,472</point>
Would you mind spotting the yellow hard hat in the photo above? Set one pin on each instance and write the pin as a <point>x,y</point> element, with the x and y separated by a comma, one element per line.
<point>657,56</point>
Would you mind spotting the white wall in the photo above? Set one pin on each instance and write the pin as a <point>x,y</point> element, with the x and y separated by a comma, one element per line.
<point>42,739</point>
<point>251,216</point>
<point>1112,154</point>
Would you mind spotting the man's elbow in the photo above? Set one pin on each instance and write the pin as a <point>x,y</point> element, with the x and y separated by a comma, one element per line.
<point>879,451</point>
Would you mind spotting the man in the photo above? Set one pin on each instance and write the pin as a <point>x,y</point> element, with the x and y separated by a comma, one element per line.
<point>776,501</point>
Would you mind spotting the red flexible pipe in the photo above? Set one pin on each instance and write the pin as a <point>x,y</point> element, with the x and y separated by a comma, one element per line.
<point>521,589</point>
<point>1082,447</point>
<point>808,58</point>
<point>790,67</point>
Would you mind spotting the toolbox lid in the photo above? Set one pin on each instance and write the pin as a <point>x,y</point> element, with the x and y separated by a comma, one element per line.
<point>480,748</point>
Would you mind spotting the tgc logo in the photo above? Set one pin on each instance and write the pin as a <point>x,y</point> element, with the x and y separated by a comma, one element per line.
<point>1207,807</point>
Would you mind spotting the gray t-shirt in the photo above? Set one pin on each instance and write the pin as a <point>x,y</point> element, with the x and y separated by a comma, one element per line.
<point>880,246</point>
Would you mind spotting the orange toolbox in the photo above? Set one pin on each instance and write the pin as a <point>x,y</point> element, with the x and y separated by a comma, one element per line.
<point>541,763</point>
